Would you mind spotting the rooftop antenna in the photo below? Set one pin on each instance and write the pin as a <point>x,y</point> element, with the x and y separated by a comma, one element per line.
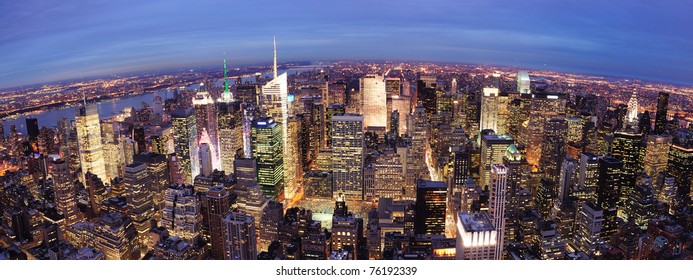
<point>226,83</point>
<point>275,56</point>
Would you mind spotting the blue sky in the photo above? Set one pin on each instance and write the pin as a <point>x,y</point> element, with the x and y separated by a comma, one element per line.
<point>43,41</point>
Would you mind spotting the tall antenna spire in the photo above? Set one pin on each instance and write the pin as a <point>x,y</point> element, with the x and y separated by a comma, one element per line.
<point>84,97</point>
<point>275,56</point>
<point>226,82</point>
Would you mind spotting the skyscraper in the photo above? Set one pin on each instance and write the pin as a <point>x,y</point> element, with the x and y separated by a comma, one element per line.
<point>275,104</point>
<point>65,192</point>
<point>498,191</point>
<point>374,100</point>
<point>627,147</point>
<point>91,155</point>
<point>656,154</point>
<point>206,159</point>
<point>430,207</point>
<point>553,148</point>
<point>416,155</point>
<point>609,184</point>
<point>230,125</point>
<point>239,236</point>
<point>589,172</point>
<point>679,167</point>
<point>185,144</point>
<point>389,180</point>
<point>116,236</point>
<point>218,205</point>
<point>476,237</point>
<point>348,155</point>
<point>632,114</point>
<point>542,107</point>
<point>139,199</point>
<point>32,129</point>
<point>523,83</point>
<point>489,109</point>
<point>493,149</point>
<point>206,123</point>
<point>426,94</point>
<point>588,228</point>
<point>267,149</point>
<point>181,214</point>
<point>661,117</point>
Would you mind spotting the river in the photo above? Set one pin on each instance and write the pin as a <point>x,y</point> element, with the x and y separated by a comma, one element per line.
<point>109,108</point>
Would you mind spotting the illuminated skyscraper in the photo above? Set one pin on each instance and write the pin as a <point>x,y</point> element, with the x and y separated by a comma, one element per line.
<point>334,109</point>
<point>158,169</point>
<point>91,155</point>
<point>116,236</point>
<point>589,171</point>
<point>661,117</point>
<point>65,192</point>
<point>542,107</point>
<point>523,82</point>
<point>181,215</point>
<point>389,180</point>
<point>476,237</point>
<point>489,109</point>
<point>230,125</point>
<point>493,149</point>
<point>139,199</point>
<point>416,155</point>
<point>632,114</point>
<point>553,148</point>
<point>679,167</point>
<point>240,242</point>
<point>348,155</point>
<point>498,191</point>
<point>267,149</point>
<point>185,144</point>
<point>275,104</point>
<point>656,154</point>
<point>206,123</point>
<point>205,159</point>
<point>588,228</point>
<point>374,100</point>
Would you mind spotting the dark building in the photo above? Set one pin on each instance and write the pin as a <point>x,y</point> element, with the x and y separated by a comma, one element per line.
<point>609,176</point>
<point>627,147</point>
<point>140,139</point>
<point>430,207</point>
<point>661,117</point>
<point>427,95</point>
<point>218,206</point>
<point>33,131</point>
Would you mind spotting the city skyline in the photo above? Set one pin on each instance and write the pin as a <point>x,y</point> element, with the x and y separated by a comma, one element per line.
<point>348,160</point>
<point>644,41</point>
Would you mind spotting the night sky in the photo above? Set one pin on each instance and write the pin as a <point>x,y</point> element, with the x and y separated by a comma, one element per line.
<point>42,41</point>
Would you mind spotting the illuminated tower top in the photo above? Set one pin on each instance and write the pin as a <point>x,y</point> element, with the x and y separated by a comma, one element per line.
<point>632,115</point>
<point>227,96</point>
